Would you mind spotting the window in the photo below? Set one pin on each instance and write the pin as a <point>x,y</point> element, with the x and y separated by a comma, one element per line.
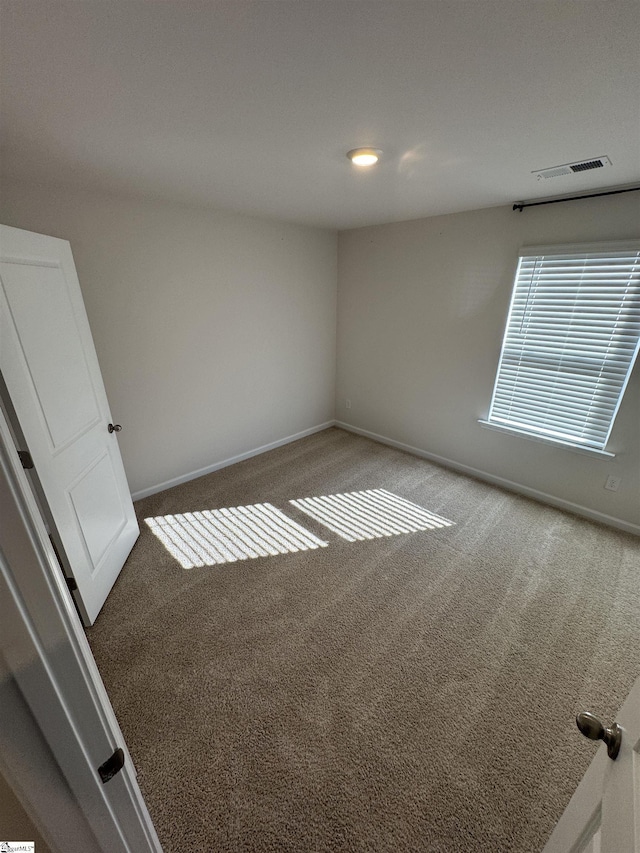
<point>571,339</point>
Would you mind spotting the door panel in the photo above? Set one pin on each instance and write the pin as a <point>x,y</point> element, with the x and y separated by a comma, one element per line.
<point>62,385</point>
<point>97,502</point>
<point>51,372</point>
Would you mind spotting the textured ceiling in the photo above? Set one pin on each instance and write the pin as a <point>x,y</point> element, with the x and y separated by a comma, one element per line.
<point>252,105</point>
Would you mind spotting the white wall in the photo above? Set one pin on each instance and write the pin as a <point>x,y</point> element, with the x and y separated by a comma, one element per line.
<point>421,312</point>
<point>215,331</point>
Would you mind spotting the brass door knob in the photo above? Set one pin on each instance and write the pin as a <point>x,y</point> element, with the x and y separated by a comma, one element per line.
<point>591,727</point>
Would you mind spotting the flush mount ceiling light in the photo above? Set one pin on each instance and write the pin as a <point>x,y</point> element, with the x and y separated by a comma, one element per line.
<point>364,156</point>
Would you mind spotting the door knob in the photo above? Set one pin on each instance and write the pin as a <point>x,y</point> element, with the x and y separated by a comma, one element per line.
<point>114,427</point>
<point>591,727</point>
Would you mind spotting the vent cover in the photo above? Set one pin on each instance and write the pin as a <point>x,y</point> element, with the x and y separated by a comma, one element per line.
<point>572,168</point>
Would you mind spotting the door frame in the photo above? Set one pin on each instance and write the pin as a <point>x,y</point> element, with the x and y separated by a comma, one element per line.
<point>46,652</point>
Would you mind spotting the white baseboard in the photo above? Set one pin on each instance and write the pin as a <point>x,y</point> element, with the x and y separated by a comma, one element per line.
<point>216,466</point>
<point>543,497</point>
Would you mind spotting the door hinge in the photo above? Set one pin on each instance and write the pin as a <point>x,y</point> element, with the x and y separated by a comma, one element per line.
<point>112,765</point>
<point>71,583</point>
<point>25,458</point>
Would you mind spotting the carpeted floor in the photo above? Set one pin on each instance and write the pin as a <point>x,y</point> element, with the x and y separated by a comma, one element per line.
<point>409,693</point>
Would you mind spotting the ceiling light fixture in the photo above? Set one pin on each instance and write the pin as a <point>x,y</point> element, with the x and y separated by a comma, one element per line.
<point>364,156</point>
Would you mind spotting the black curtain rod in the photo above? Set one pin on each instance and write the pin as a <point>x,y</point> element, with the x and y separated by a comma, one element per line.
<point>521,205</point>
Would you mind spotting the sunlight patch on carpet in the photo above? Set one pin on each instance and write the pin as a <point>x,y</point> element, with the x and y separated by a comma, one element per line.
<point>370,514</point>
<point>216,536</point>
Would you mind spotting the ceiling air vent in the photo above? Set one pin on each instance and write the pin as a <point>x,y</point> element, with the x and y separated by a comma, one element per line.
<point>572,168</point>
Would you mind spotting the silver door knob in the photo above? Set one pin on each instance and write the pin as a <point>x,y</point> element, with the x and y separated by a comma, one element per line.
<point>114,427</point>
<point>591,727</point>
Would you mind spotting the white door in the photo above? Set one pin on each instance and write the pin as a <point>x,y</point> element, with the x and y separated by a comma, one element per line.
<point>603,816</point>
<point>50,369</point>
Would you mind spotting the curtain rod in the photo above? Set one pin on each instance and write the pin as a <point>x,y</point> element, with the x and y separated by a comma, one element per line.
<point>521,205</point>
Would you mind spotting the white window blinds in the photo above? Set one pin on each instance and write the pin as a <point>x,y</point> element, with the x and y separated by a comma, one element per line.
<point>570,342</point>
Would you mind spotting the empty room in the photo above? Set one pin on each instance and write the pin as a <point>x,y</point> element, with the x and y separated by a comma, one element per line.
<point>320,426</point>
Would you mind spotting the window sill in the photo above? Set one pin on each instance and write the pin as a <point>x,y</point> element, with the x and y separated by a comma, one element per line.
<point>588,451</point>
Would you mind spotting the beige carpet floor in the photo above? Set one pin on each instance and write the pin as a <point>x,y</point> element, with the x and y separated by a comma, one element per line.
<point>410,693</point>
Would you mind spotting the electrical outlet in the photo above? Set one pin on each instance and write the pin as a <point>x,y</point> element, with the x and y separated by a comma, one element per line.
<point>613,483</point>
<point>348,404</point>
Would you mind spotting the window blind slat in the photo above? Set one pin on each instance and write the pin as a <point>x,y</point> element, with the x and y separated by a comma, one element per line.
<point>560,416</point>
<point>600,403</point>
<point>566,422</point>
<point>575,440</point>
